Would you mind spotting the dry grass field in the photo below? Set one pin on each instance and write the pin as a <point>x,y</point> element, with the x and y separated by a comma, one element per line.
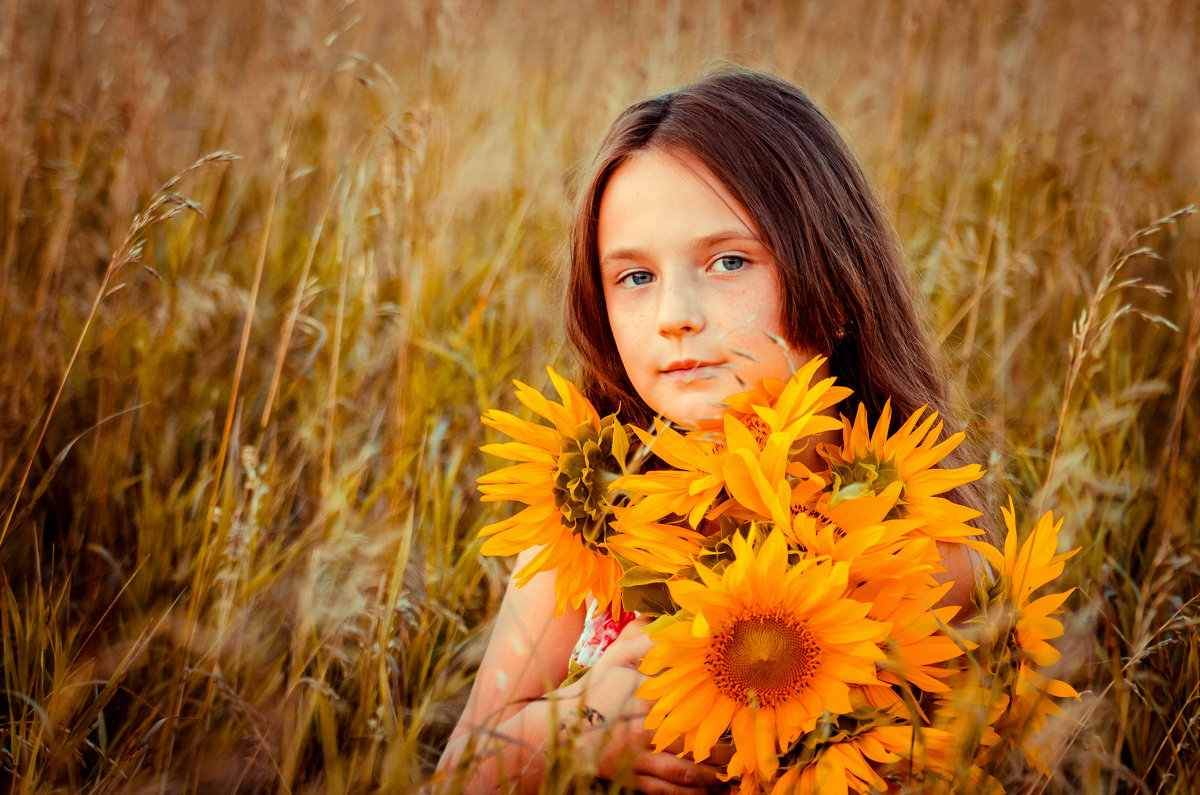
<point>239,415</point>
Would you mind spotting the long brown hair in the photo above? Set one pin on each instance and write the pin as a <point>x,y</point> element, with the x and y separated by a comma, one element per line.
<point>844,278</point>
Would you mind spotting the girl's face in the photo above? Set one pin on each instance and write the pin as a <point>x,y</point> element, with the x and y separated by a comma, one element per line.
<point>693,295</point>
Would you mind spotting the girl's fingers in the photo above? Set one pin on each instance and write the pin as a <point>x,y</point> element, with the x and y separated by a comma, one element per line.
<point>681,772</point>
<point>656,786</point>
<point>630,646</point>
<point>718,756</point>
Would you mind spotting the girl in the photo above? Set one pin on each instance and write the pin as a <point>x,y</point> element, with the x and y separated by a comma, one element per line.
<point>724,234</point>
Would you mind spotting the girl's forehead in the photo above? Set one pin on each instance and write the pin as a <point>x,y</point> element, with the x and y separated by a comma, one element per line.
<point>658,179</point>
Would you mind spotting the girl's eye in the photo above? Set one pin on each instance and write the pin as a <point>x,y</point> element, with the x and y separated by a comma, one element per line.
<point>729,263</point>
<point>636,278</point>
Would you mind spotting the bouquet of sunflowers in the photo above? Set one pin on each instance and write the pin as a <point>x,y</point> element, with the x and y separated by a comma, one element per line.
<point>792,584</point>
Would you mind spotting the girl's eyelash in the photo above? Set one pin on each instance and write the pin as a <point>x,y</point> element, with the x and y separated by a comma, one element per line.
<point>742,261</point>
<point>626,279</point>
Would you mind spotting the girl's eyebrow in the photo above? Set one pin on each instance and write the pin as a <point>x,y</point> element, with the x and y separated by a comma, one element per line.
<point>708,241</point>
<point>724,236</point>
<point>622,255</point>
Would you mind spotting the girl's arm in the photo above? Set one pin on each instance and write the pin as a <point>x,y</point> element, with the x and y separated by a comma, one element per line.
<point>514,707</point>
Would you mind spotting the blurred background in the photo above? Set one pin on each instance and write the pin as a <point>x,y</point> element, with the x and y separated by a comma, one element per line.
<point>239,413</point>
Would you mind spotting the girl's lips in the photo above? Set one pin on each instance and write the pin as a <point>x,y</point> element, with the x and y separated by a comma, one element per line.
<point>691,370</point>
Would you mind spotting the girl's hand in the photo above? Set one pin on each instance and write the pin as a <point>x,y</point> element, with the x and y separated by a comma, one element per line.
<point>505,722</point>
<point>612,719</point>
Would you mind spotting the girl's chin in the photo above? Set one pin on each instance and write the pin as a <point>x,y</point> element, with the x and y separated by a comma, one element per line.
<point>695,409</point>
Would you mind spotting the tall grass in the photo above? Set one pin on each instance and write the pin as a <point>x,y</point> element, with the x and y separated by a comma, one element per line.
<point>239,416</point>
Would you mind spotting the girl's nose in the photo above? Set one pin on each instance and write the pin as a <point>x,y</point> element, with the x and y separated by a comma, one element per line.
<point>680,310</point>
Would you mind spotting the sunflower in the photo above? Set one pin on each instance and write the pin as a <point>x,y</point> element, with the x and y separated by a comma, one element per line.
<point>858,752</point>
<point>1019,572</point>
<point>870,464</point>
<point>563,475</point>
<point>753,479</point>
<point>848,762</point>
<point>688,489</point>
<point>797,405</point>
<point>663,547</point>
<point>658,529</point>
<point>919,645</point>
<point>863,528</point>
<point>763,648</point>
<point>968,713</point>
<point>876,553</point>
<point>756,473</point>
<point>1033,564</point>
<point>1024,626</point>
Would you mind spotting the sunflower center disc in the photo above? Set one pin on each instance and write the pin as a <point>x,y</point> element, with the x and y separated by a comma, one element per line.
<point>760,429</point>
<point>765,655</point>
